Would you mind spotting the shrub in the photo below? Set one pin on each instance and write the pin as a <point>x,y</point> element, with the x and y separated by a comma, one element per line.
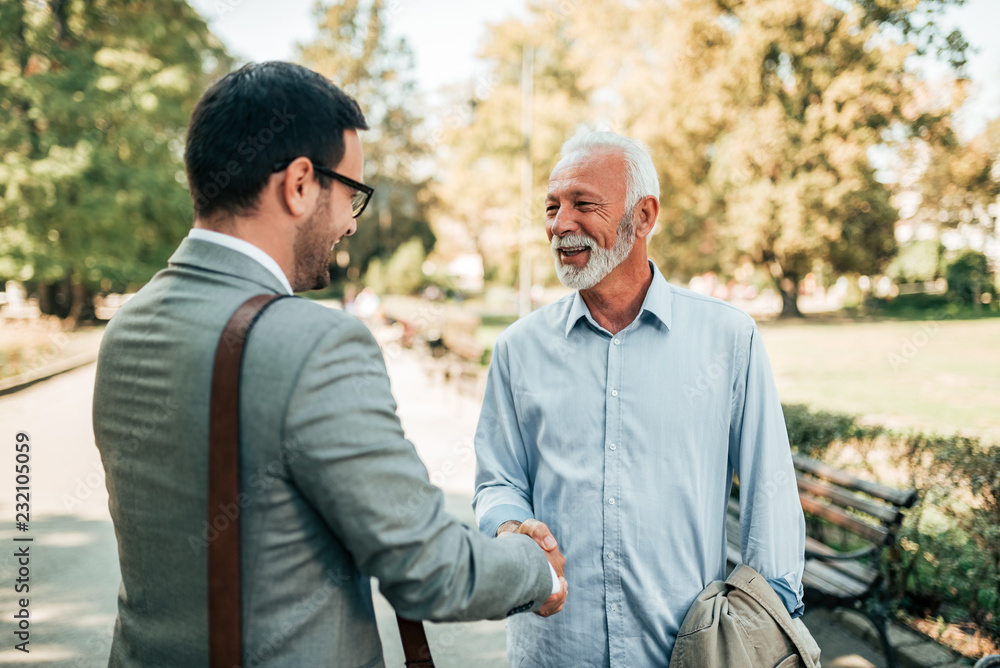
<point>403,274</point>
<point>949,561</point>
<point>916,261</point>
<point>810,432</point>
<point>969,276</point>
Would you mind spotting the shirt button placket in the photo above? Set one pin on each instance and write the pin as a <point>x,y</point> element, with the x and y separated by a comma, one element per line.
<point>612,486</point>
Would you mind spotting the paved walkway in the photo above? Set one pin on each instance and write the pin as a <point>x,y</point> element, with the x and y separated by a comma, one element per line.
<point>74,569</point>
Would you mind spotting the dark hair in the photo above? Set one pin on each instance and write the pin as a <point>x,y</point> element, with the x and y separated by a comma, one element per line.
<point>259,115</point>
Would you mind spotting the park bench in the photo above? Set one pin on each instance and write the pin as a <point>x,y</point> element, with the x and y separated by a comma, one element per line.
<point>841,509</point>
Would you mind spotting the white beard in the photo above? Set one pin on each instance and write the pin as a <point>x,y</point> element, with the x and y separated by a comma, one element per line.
<point>600,263</point>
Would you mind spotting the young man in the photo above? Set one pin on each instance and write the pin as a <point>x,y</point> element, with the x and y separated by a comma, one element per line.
<point>332,491</point>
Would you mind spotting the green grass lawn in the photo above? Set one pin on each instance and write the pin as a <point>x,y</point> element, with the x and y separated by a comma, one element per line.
<point>939,376</point>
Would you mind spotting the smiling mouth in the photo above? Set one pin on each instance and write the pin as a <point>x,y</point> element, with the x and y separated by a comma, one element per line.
<point>570,251</point>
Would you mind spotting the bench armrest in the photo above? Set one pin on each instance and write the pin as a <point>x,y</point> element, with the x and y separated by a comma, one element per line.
<point>857,554</point>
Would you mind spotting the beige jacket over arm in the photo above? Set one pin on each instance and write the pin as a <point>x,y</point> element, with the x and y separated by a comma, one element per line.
<point>741,623</point>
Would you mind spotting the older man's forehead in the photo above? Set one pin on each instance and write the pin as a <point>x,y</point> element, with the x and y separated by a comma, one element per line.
<point>587,173</point>
<point>579,191</point>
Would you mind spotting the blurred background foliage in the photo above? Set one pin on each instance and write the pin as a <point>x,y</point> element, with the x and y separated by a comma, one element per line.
<point>354,50</point>
<point>94,102</point>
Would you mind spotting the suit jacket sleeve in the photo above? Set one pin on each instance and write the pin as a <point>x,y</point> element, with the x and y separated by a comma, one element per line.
<point>348,455</point>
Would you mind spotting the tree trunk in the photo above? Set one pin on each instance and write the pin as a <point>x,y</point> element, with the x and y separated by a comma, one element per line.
<point>55,298</point>
<point>82,308</point>
<point>789,290</point>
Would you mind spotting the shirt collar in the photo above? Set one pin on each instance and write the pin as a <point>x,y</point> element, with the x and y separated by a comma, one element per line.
<point>657,302</point>
<point>245,247</point>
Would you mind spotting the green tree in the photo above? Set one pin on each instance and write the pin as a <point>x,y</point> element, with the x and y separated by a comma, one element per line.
<point>95,98</point>
<point>959,183</point>
<point>355,50</point>
<point>791,97</point>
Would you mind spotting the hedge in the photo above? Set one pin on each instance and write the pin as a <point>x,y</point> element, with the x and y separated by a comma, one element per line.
<point>949,564</point>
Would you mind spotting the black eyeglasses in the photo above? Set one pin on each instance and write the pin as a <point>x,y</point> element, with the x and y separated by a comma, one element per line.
<point>361,197</point>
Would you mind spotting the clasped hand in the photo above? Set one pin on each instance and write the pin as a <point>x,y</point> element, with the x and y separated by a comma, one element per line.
<point>541,534</point>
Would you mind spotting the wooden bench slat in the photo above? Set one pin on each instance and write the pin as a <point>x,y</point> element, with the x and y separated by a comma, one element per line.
<point>812,581</point>
<point>833,514</point>
<point>855,569</point>
<point>834,579</point>
<point>733,554</point>
<point>841,497</point>
<point>902,498</point>
<point>864,574</point>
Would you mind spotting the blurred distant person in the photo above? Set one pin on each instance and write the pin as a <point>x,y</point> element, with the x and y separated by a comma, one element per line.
<point>334,493</point>
<point>617,416</point>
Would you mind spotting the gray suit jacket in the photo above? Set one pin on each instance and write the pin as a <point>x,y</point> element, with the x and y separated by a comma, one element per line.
<point>332,491</point>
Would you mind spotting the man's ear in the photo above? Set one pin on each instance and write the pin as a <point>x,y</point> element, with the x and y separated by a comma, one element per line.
<point>646,212</point>
<point>300,188</point>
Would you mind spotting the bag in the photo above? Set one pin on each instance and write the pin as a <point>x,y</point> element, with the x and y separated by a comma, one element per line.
<point>225,614</point>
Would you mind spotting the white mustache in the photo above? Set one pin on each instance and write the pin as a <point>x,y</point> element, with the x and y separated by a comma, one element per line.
<point>573,241</point>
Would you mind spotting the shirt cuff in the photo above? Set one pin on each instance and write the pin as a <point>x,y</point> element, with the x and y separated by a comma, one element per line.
<point>556,585</point>
<point>791,598</point>
<point>494,517</point>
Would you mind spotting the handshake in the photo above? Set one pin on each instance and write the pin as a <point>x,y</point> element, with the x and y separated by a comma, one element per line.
<point>540,533</point>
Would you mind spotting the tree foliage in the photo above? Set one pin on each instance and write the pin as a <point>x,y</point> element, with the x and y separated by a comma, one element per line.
<point>95,98</point>
<point>762,115</point>
<point>355,50</point>
<point>959,182</point>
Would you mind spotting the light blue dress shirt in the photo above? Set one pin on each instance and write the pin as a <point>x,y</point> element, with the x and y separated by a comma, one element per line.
<point>626,445</point>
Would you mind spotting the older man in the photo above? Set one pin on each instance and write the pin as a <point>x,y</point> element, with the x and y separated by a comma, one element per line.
<point>617,416</point>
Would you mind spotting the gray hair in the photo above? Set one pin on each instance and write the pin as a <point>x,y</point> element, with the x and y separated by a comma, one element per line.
<point>641,179</point>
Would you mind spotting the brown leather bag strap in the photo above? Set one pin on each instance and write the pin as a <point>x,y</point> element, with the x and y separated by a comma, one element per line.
<point>225,619</point>
<point>415,648</point>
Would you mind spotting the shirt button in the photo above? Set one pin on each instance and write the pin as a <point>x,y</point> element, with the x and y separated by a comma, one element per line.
<point>614,393</point>
<point>611,555</point>
<point>617,342</point>
<point>614,608</point>
<point>613,446</point>
<point>611,501</point>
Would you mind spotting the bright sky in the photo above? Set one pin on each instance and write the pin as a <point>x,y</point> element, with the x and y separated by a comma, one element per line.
<point>444,36</point>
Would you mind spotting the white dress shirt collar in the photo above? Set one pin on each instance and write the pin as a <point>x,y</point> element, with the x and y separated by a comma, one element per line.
<point>245,247</point>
